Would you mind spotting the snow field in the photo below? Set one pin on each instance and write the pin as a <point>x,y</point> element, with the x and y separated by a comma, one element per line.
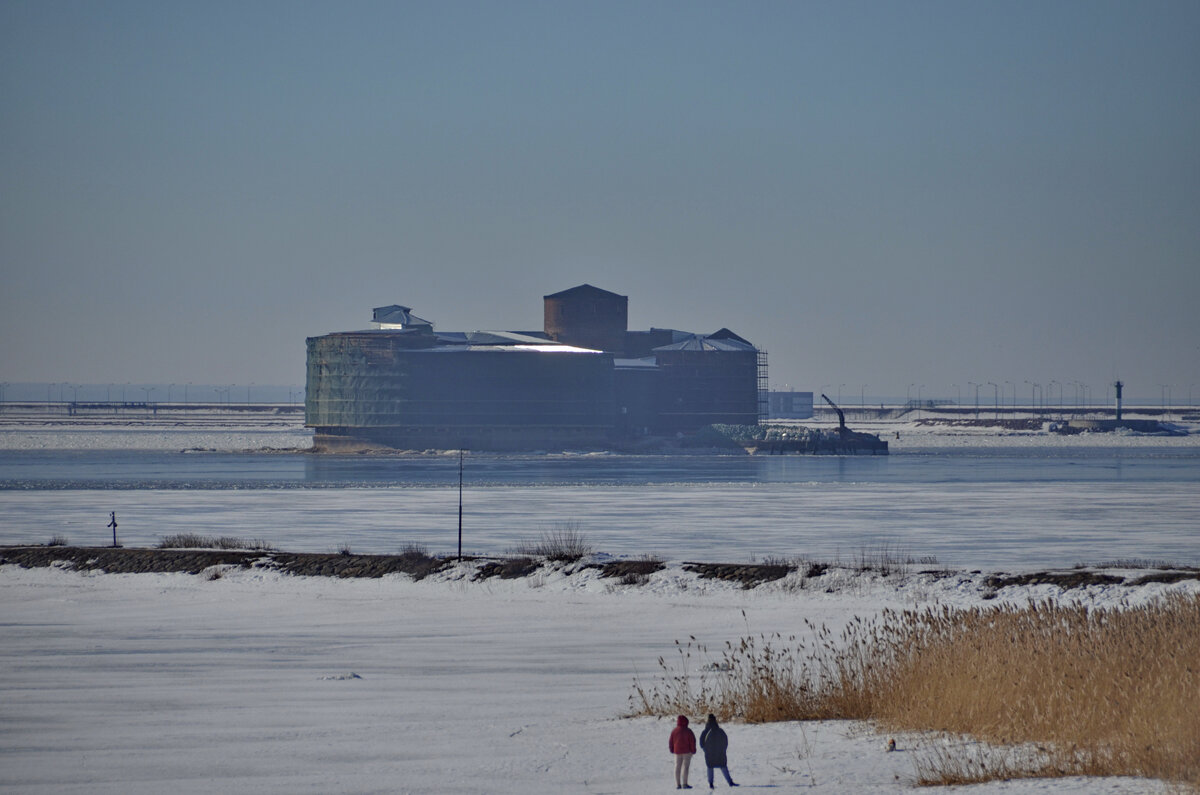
<point>178,683</point>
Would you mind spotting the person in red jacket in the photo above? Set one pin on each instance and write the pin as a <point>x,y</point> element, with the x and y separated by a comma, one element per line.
<point>683,745</point>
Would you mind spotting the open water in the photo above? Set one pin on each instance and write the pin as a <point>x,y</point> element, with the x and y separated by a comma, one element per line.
<point>974,508</point>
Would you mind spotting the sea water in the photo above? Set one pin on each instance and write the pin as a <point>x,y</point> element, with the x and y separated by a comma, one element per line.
<point>976,508</point>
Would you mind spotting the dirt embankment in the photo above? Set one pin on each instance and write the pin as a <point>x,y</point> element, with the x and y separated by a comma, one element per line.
<point>195,561</point>
<point>419,565</point>
<point>415,564</point>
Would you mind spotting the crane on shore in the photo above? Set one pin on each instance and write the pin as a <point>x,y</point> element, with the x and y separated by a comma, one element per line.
<point>842,429</point>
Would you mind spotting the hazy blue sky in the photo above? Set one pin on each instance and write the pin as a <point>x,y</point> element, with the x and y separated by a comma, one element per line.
<point>884,193</point>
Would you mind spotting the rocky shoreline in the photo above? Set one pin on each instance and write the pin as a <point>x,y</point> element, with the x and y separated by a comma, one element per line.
<point>419,565</point>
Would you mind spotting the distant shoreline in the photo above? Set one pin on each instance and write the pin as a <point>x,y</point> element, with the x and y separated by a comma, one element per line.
<point>279,428</point>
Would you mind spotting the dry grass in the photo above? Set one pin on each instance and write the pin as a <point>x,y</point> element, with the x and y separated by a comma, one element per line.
<point>1105,692</point>
<point>415,550</point>
<point>565,542</point>
<point>1053,689</point>
<point>760,679</point>
<point>884,558</point>
<point>196,541</point>
<point>952,761</point>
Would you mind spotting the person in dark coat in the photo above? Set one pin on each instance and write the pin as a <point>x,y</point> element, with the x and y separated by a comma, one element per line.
<point>714,741</point>
<point>683,745</point>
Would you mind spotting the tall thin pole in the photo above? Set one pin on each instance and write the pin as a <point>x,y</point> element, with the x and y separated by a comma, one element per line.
<point>460,473</point>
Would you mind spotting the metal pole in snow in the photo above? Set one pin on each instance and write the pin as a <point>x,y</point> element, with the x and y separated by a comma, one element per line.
<point>460,479</point>
<point>113,524</point>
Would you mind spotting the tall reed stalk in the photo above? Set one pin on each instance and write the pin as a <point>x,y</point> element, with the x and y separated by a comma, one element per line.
<point>1093,691</point>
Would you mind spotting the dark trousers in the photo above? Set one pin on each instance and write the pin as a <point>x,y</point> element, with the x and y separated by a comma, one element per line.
<point>724,769</point>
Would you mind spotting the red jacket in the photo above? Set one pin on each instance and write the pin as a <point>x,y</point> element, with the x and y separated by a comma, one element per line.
<point>682,740</point>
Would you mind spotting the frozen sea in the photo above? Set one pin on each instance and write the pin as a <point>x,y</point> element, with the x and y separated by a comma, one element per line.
<point>985,505</point>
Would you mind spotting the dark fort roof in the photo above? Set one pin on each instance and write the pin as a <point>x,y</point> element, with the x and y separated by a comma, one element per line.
<point>585,290</point>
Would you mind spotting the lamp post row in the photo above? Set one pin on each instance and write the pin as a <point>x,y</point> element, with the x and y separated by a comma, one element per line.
<point>60,391</point>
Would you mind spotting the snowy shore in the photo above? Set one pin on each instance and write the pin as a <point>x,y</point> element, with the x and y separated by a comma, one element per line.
<point>166,427</point>
<point>257,681</point>
<point>931,430</point>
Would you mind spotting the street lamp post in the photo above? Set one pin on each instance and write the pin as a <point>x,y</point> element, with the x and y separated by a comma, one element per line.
<point>972,383</point>
<point>995,397</point>
<point>460,501</point>
<point>1166,400</point>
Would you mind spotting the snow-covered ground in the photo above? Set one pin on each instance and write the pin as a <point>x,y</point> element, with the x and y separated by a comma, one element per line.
<point>169,428</point>
<point>926,429</point>
<point>264,683</point>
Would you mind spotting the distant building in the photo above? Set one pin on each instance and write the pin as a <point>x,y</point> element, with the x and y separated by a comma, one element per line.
<point>585,381</point>
<point>789,405</point>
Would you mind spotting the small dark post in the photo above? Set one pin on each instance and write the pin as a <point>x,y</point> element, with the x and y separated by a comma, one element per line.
<point>460,473</point>
<point>113,524</point>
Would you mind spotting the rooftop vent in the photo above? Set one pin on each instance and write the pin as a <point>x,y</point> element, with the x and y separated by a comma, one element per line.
<point>397,317</point>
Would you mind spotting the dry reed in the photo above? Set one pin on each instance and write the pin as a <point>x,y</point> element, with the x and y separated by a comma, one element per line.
<point>564,542</point>
<point>1074,690</point>
<point>197,541</point>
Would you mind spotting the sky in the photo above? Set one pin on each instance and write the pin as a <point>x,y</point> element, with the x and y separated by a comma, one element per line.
<point>886,196</point>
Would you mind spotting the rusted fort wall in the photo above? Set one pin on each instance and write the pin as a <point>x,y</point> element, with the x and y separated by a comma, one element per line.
<point>376,389</point>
